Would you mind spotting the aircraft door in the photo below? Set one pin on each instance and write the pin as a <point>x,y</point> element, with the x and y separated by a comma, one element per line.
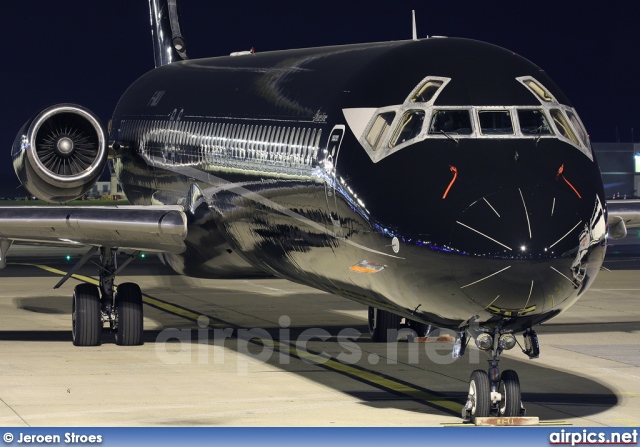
<point>333,184</point>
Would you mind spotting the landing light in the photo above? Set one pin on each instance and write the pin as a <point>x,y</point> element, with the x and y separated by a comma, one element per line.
<point>484,341</point>
<point>507,341</point>
<point>523,248</point>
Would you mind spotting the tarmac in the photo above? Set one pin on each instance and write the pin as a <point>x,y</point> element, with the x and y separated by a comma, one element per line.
<point>273,353</point>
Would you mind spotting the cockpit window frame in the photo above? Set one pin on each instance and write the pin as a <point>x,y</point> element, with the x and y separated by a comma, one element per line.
<point>382,134</point>
<point>441,134</point>
<point>407,119</point>
<point>411,98</point>
<point>389,144</point>
<point>576,126</point>
<point>509,110</point>
<point>540,91</point>
<point>386,146</point>
<point>538,134</point>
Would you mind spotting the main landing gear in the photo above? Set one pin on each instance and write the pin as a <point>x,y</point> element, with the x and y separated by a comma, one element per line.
<point>384,326</point>
<point>93,306</point>
<point>492,393</point>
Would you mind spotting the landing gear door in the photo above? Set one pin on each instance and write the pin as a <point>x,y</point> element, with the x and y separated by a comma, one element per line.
<point>333,186</point>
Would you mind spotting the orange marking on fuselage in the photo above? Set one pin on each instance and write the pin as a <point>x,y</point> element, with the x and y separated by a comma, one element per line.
<point>560,174</point>
<point>455,175</point>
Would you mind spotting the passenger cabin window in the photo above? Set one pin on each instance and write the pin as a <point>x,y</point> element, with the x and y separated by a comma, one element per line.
<point>450,122</point>
<point>563,126</point>
<point>426,92</point>
<point>533,122</point>
<point>409,127</point>
<point>495,122</point>
<point>379,130</point>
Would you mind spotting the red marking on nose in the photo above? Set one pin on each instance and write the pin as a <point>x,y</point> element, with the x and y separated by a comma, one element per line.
<point>455,175</point>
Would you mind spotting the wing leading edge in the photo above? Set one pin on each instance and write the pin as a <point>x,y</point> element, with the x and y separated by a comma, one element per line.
<point>150,228</point>
<point>623,214</point>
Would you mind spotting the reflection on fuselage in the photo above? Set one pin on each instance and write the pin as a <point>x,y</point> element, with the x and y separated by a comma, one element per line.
<point>491,210</point>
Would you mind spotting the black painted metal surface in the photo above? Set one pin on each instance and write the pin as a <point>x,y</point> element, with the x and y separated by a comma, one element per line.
<point>258,149</point>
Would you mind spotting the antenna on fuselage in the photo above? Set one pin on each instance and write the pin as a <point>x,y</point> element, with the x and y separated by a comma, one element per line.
<point>415,30</point>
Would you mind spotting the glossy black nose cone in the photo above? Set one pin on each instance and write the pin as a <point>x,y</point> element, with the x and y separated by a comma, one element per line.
<point>525,250</point>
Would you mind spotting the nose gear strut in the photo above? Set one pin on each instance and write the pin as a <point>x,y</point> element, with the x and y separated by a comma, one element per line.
<point>492,393</point>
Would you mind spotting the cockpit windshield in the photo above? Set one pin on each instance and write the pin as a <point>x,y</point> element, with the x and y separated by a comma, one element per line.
<point>533,122</point>
<point>495,122</point>
<point>393,127</point>
<point>409,128</point>
<point>456,122</point>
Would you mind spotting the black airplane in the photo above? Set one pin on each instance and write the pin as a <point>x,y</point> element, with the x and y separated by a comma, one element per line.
<point>443,181</point>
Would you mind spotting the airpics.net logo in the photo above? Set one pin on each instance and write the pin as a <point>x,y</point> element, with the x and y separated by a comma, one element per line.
<point>588,437</point>
<point>208,345</point>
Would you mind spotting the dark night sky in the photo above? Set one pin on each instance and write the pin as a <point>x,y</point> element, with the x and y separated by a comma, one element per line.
<point>88,52</point>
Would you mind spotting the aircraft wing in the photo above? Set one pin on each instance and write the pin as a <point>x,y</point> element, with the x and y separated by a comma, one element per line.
<point>623,214</point>
<point>150,228</point>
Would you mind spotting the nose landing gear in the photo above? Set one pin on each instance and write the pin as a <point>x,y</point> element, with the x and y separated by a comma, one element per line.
<point>492,393</point>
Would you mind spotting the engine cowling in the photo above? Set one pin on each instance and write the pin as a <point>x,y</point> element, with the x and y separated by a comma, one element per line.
<point>60,153</point>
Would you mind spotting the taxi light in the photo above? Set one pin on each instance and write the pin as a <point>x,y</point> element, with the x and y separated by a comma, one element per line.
<point>507,341</point>
<point>484,341</point>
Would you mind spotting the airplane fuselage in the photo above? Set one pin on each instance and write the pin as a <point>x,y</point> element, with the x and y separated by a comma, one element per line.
<point>440,179</point>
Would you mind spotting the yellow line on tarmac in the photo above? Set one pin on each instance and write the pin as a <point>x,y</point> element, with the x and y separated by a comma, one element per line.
<point>59,272</point>
<point>329,363</point>
<point>371,377</point>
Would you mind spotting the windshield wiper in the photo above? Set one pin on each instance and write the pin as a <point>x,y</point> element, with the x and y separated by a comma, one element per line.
<point>539,132</point>
<point>448,136</point>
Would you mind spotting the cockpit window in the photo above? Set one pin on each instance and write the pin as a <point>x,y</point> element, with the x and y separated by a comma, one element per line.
<point>426,91</point>
<point>533,122</point>
<point>495,122</point>
<point>409,127</point>
<point>387,129</point>
<point>379,130</point>
<point>579,128</point>
<point>451,122</point>
<point>538,89</point>
<point>563,126</point>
